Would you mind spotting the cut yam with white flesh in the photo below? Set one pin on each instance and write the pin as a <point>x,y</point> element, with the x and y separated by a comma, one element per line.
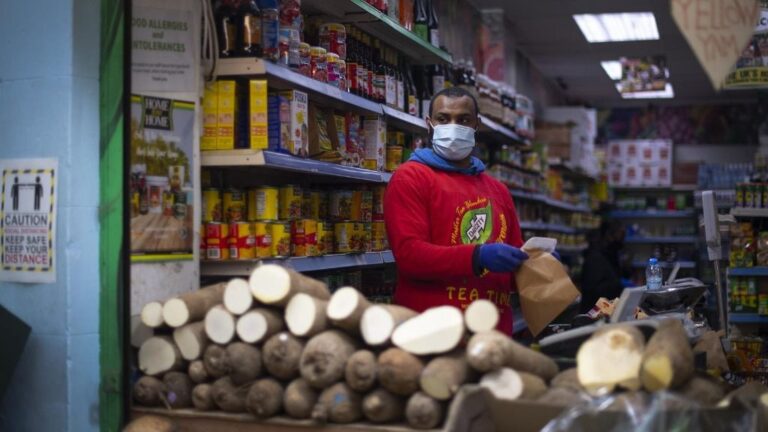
<point>346,308</point>
<point>215,361</point>
<point>281,355</point>
<point>191,340</point>
<point>159,355</point>
<point>197,372</point>
<point>150,391</point>
<point>140,332</point>
<point>192,306</point>
<point>237,296</point>
<point>423,411</point>
<point>491,350</point>
<point>244,362</point>
<point>152,315</point>
<point>509,384</point>
<point>299,399</point>
<point>202,397</point>
<point>443,375</point>
<point>668,358</point>
<point>611,358</point>
<point>259,324</point>
<point>220,325</point>
<point>305,315</point>
<point>325,356</point>
<point>399,371</point>
<point>379,322</point>
<point>272,284</point>
<point>481,315</point>
<point>338,404</point>
<point>382,406</point>
<point>265,398</point>
<point>435,331</point>
<point>360,372</point>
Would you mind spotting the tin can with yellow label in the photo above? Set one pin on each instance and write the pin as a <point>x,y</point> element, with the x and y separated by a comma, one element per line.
<point>366,206</point>
<point>212,205</point>
<point>378,203</point>
<point>311,204</point>
<point>323,213</point>
<point>341,205</point>
<point>281,238</point>
<point>263,204</point>
<point>242,241</point>
<point>263,240</point>
<point>324,238</point>
<point>394,157</point>
<point>343,236</point>
<point>234,205</point>
<point>216,241</point>
<point>304,237</point>
<point>291,198</point>
<point>378,236</point>
<point>356,210</point>
<point>365,237</point>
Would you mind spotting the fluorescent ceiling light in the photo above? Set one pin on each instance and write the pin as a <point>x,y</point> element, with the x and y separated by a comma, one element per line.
<point>667,93</point>
<point>618,27</point>
<point>612,68</point>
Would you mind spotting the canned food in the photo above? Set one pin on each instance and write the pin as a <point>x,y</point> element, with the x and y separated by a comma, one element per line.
<point>341,205</point>
<point>333,37</point>
<point>263,240</point>
<point>378,236</point>
<point>211,205</point>
<point>241,241</point>
<point>342,233</point>
<point>234,205</point>
<point>740,192</point>
<point>749,195</point>
<point>324,238</point>
<point>304,237</point>
<point>364,231</point>
<point>311,204</point>
<point>263,204</point>
<point>216,241</point>
<point>334,73</point>
<point>394,157</point>
<point>305,67</point>
<point>356,209</point>
<point>281,239</point>
<point>366,206</point>
<point>759,190</point>
<point>378,202</point>
<point>318,63</point>
<point>291,198</point>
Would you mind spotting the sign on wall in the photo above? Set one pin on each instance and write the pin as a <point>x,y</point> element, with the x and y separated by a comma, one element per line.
<point>28,220</point>
<point>751,70</point>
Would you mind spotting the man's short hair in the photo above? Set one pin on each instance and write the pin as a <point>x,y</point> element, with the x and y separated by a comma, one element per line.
<point>453,92</point>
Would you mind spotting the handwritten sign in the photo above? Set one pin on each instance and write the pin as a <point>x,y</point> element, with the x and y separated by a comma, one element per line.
<point>717,31</point>
<point>28,220</point>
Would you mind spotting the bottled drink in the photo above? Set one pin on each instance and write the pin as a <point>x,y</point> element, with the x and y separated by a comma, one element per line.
<point>438,77</point>
<point>250,28</point>
<point>391,84</point>
<point>371,68</point>
<point>421,19</point>
<point>270,23</point>
<point>352,61</point>
<point>226,27</point>
<point>653,275</point>
<point>425,92</point>
<point>400,84</point>
<point>380,76</point>
<point>434,32</point>
<point>412,96</point>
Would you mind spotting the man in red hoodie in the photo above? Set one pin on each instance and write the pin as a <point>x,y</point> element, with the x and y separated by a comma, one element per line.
<point>453,228</point>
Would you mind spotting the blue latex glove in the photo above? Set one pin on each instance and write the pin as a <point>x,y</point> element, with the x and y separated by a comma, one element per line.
<point>557,256</point>
<point>501,257</point>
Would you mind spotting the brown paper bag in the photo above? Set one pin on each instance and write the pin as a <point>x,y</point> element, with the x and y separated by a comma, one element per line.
<point>545,289</point>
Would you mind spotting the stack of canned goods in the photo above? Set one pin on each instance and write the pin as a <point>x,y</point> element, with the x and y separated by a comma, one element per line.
<point>754,195</point>
<point>272,222</point>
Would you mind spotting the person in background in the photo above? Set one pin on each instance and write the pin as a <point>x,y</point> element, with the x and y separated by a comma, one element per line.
<point>601,274</point>
<point>453,228</point>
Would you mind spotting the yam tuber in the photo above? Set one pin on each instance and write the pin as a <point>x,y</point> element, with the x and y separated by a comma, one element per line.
<point>382,406</point>
<point>159,355</point>
<point>197,372</point>
<point>509,384</point>
<point>443,375</point>
<point>346,308</point>
<point>149,391</point>
<point>265,398</point>
<point>259,324</point>
<point>611,357</point>
<point>152,315</point>
<point>305,315</point>
<point>360,372</point>
<point>191,340</point>
<point>562,396</point>
<point>437,330</point>
<point>281,355</point>
<point>244,362</point>
<point>379,321</point>
<point>568,379</point>
<point>668,358</point>
<point>491,350</point>
<point>399,371</point>
<point>215,361</point>
<point>179,389</point>
<point>299,399</point>
<point>193,305</point>
<point>272,284</point>
<point>705,390</point>
<point>481,315</point>
<point>237,296</point>
<point>338,404</point>
<point>325,358</point>
<point>423,412</point>
<point>151,423</point>
<point>202,397</point>
<point>219,325</point>
<point>229,397</point>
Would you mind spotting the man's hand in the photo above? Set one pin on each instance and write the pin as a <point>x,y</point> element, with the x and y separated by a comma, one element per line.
<point>501,257</point>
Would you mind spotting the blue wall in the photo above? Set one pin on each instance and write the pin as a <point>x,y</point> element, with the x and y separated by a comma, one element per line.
<point>49,92</point>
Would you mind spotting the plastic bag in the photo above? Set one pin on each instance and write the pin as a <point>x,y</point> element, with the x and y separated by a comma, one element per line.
<point>643,412</point>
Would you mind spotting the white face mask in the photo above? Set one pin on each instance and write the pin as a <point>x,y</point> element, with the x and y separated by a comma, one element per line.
<point>452,141</point>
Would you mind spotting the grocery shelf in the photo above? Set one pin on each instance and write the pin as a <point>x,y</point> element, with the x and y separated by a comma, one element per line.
<point>666,264</point>
<point>748,271</point>
<point>404,120</point>
<point>652,240</point>
<point>302,264</point>
<point>381,26</point>
<point>534,196</point>
<point>541,226</point>
<point>281,161</point>
<point>747,318</point>
<point>521,169</point>
<point>749,212</point>
<point>673,188</point>
<point>570,249</point>
<point>651,214</point>
<point>569,170</point>
<point>503,133</point>
<point>283,78</point>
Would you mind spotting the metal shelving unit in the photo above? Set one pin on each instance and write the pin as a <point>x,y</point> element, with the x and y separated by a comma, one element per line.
<point>668,240</point>
<point>542,226</point>
<point>562,205</point>
<point>231,268</point>
<point>749,212</point>
<point>651,214</point>
<point>571,249</point>
<point>502,133</point>
<point>748,271</point>
<point>665,264</point>
<point>747,318</point>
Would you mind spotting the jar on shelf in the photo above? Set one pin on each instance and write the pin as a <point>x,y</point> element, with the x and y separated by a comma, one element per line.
<point>318,63</point>
<point>333,37</point>
<point>305,59</point>
<point>333,70</point>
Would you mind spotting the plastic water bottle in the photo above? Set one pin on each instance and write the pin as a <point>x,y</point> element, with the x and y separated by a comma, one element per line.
<point>653,275</point>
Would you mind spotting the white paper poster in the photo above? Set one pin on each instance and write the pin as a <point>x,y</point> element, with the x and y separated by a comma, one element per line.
<point>28,220</point>
<point>163,50</point>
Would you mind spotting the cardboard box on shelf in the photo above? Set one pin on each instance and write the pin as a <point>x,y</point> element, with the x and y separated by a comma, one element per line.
<point>279,116</point>
<point>554,134</point>
<point>226,114</point>
<point>320,140</point>
<point>257,115</point>
<point>210,117</point>
<point>298,143</point>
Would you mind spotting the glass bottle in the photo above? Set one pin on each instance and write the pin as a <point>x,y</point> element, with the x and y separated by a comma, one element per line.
<point>421,19</point>
<point>249,21</point>
<point>412,95</point>
<point>380,76</point>
<point>400,83</point>
<point>226,27</point>
<point>433,25</point>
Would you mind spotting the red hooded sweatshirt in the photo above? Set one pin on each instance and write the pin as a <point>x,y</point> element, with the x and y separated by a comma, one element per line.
<point>435,218</point>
